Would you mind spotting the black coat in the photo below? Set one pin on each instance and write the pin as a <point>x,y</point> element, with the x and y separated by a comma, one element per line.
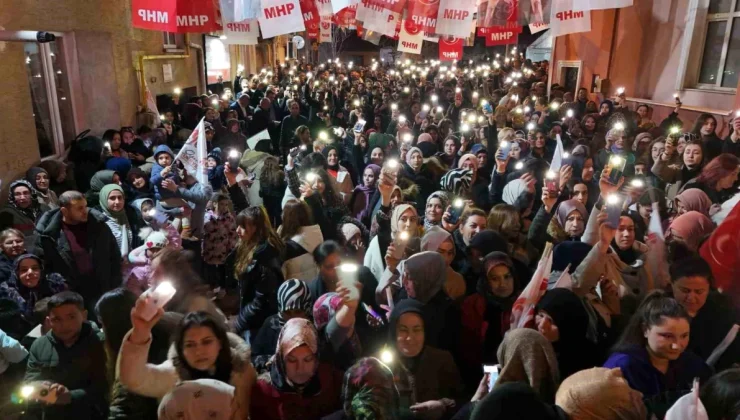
<point>260,121</point>
<point>101,245</point>
<point>258,285</point>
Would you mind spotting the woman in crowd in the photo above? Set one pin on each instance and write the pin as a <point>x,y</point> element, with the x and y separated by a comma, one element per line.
<point>23,209</point>
<point>720,395</point>
<point>297,384</point>
<point>427,379</point>
<point>338,172</point>
<point>437,204</point>
<point>486,314</point>
<point>98,181</point>
<point>717,178</point>
<point>293,301</point>
<point>568,223</point>
<point>59,182</point>
<point>692,162</point>
<point>415,171</point>
<point>121,219</point>
<point>368,392</point>
<point>255,265</point>
<point>201,349</point>
<point>30,283</point>
<point>438,240</point>
<point>332,207</point>
<point>652,353</point>
<point>39,179</point>
<point>527,356</point>
<point>301,236</point>
<point>138,181</point>
<point>11,246</point>
<point>112,142</point>
<point>705,128</point>
<point>602,394</point>
<point>506,220</point>
<point>692,199</point>
<point>361,199</point>
<point>690,229</point>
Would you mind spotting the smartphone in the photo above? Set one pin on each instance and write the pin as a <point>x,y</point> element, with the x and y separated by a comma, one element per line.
<point>348,277</point>
<point>158,297</point>
<point>251,176</point>
<point>424,111</point>
<point>492,371</point>
<point>551,182</point>
<point>158,216</point>
<point>613,210</point>
<point>359,125</point>
<point>505,147</point>
<point>391,166</point>
<point>400,243</point>
<point>488,108</point>
<point>456,211</point>
<point>616,169</point>
<point>567,159</point>
<point>233,159</point>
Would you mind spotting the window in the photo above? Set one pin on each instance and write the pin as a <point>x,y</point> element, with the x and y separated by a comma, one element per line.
<point>720,54</point>
<point>50,96</point>
<point>173,41</point>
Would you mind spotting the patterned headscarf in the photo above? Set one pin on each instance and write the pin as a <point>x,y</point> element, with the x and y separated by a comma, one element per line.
<point>369,392</point>
<point>32,212</point>
<point>457,181</point>
<point>296,332</point>
<point>325,308</point>
<point>197,400</point>
<point>293,295</point>
<point>444,198</point>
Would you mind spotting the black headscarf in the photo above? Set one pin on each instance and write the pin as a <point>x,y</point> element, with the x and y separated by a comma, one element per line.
<point>403,307</point>
<point>31,177</point>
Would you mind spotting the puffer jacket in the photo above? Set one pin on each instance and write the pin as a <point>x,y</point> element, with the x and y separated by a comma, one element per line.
<point>156,381</point>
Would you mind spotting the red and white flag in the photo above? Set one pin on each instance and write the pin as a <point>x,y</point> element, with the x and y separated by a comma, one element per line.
<point>410,37</point>
<point>455,17</point>
<point>656,255</point>
<point>324,7</point>
<point>450,48</point>
<point>309,11</point>
<point>569,21</point>
<point>242,33</point>
<point>538,27</point>
<point>600,4</point>
<point>522,313</point>
<point>180,16</point>
<point>193,154</point>
<point>424,13</point>
<point>325,31</point>
<point>500,36</point>
<point>280,17</point>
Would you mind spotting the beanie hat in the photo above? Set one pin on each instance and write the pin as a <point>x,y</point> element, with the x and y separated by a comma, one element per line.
<point>156,239</point>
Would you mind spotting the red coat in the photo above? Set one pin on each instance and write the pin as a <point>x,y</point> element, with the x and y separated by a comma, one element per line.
<point>475,327</point>
<point>268,403</point>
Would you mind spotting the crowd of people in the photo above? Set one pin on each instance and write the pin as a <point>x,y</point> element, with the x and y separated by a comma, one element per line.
<point>417,240</point>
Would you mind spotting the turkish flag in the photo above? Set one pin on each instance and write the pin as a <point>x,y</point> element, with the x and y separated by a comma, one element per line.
<point>180,16</point>
<point>310,12</point>
<point>484,31</point>
<point>450,48</point>
<point>313,30</point>
<point>424,13</point>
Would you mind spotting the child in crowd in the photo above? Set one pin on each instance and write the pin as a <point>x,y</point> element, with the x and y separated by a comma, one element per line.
<point>220,238</point>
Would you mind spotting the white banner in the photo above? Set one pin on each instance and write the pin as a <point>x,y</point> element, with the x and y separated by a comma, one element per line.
<point>337,5</point>
<point>325,31</point>
<point>151,102</point>
<point>193,154</point>
<point>324,7</point>
<point>381,20</point>
<point>600,4</point>
<point>455,17</point>
<point>242,33</point>
<point>569,22</point>
<point>280,17</point>
<point>262,135</point>
<point>410,38</point>
<point>538,27</point>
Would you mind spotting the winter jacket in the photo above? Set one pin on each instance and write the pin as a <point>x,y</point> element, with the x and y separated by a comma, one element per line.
<point>11,217</point>
<point>26,299</point>
<point>258,285</point>
<point>134,241</point>
<point>6,268</point>
<point>101,245</point>
<point>320,397</point>
<point>199,194</point>
<point>299,263</point>
<point>80,368</point>
<point>287,131</point>
<point>220,237</point>
<point>674,178</point>
<point>156,178</point>
<point>157,380</point>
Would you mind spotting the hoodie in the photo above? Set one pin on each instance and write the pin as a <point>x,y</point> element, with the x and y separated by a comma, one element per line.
<point>156,178</point>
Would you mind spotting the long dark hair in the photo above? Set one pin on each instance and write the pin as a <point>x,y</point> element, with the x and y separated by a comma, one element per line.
<point>651,312</point>
<point>721,395</point>
<point>114,313</point>
<point>699,123</point>
<point>223,361</point>
<point>296,214</point>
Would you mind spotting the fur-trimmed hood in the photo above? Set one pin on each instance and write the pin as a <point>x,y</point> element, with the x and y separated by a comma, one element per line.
<point>240,357</point>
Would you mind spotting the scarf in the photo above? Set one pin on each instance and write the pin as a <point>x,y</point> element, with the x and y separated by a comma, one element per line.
<point>408,158</point>
<point>369,391</point>
<point>31,178</point>
<point>293,294</point>
<point>694,199</point>
<point>600,393</point>
<point>457,181</point>
<point>527,356</point>
<point>513,190</point>
<point>101,179</point>
<point>566,208</point>
<point>490,261</point>
<point>197,400</point>
<point>32,211</point>
<point>396,216</point>
<point>473,161</point>
<point>118,217</point>
<point>445,199</point>
<point>295,333</point>
<point>428,272</point>
<point>691,227</point>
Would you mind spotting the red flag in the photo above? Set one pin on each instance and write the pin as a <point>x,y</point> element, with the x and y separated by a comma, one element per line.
<point>522,312</point>
<point>450,48</point>
<point>180,16</point>
<point>500,37</point>
<point>310,12</point>
<point>346,16</point>
<point>313,30</point>
<point>424,13</point>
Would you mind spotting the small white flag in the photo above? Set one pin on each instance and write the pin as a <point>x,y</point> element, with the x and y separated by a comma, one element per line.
<point>522,312</point>
<point>151,102</point>
<point>557,157</point>
<point>262,135</point>
<point>193,154</point>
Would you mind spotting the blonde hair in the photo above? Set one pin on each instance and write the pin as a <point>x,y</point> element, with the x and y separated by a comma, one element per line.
<point>506,133</point>
<point>257,215</point>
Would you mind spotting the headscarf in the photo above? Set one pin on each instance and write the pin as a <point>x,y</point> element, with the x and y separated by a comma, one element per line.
<point>567,207</point>
<point>369,391</point>
<point>457,181</point>
<point>695,199</point>
<point>396,216</point>
<point>119,216</point>
<point>325,308</point>
<point>473,160</point>
<point>428,272</point>
<point>349,230</point>
<point>118,164</point>
<point>403,307</point>
<point>600,393</point>
<point>444,198</point>
<point>197,400</point>
<point>424,137</point>
<point>610,104</point>
<point>515,401</point>
<point>293,294</point>
<point>295,333</point>
<point>376,170</point>
<point>31,178</point>
<point>408,156</point>
<point>569,252</point>
<point>527,356</point>
<point>568,312</point>
<point>32,211</point>
<point>487,241</point>
<point>692,227</point>
<point>101,179</point>
<point>513,190</point>
<point>640,138</point>
<point>491,260</point>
